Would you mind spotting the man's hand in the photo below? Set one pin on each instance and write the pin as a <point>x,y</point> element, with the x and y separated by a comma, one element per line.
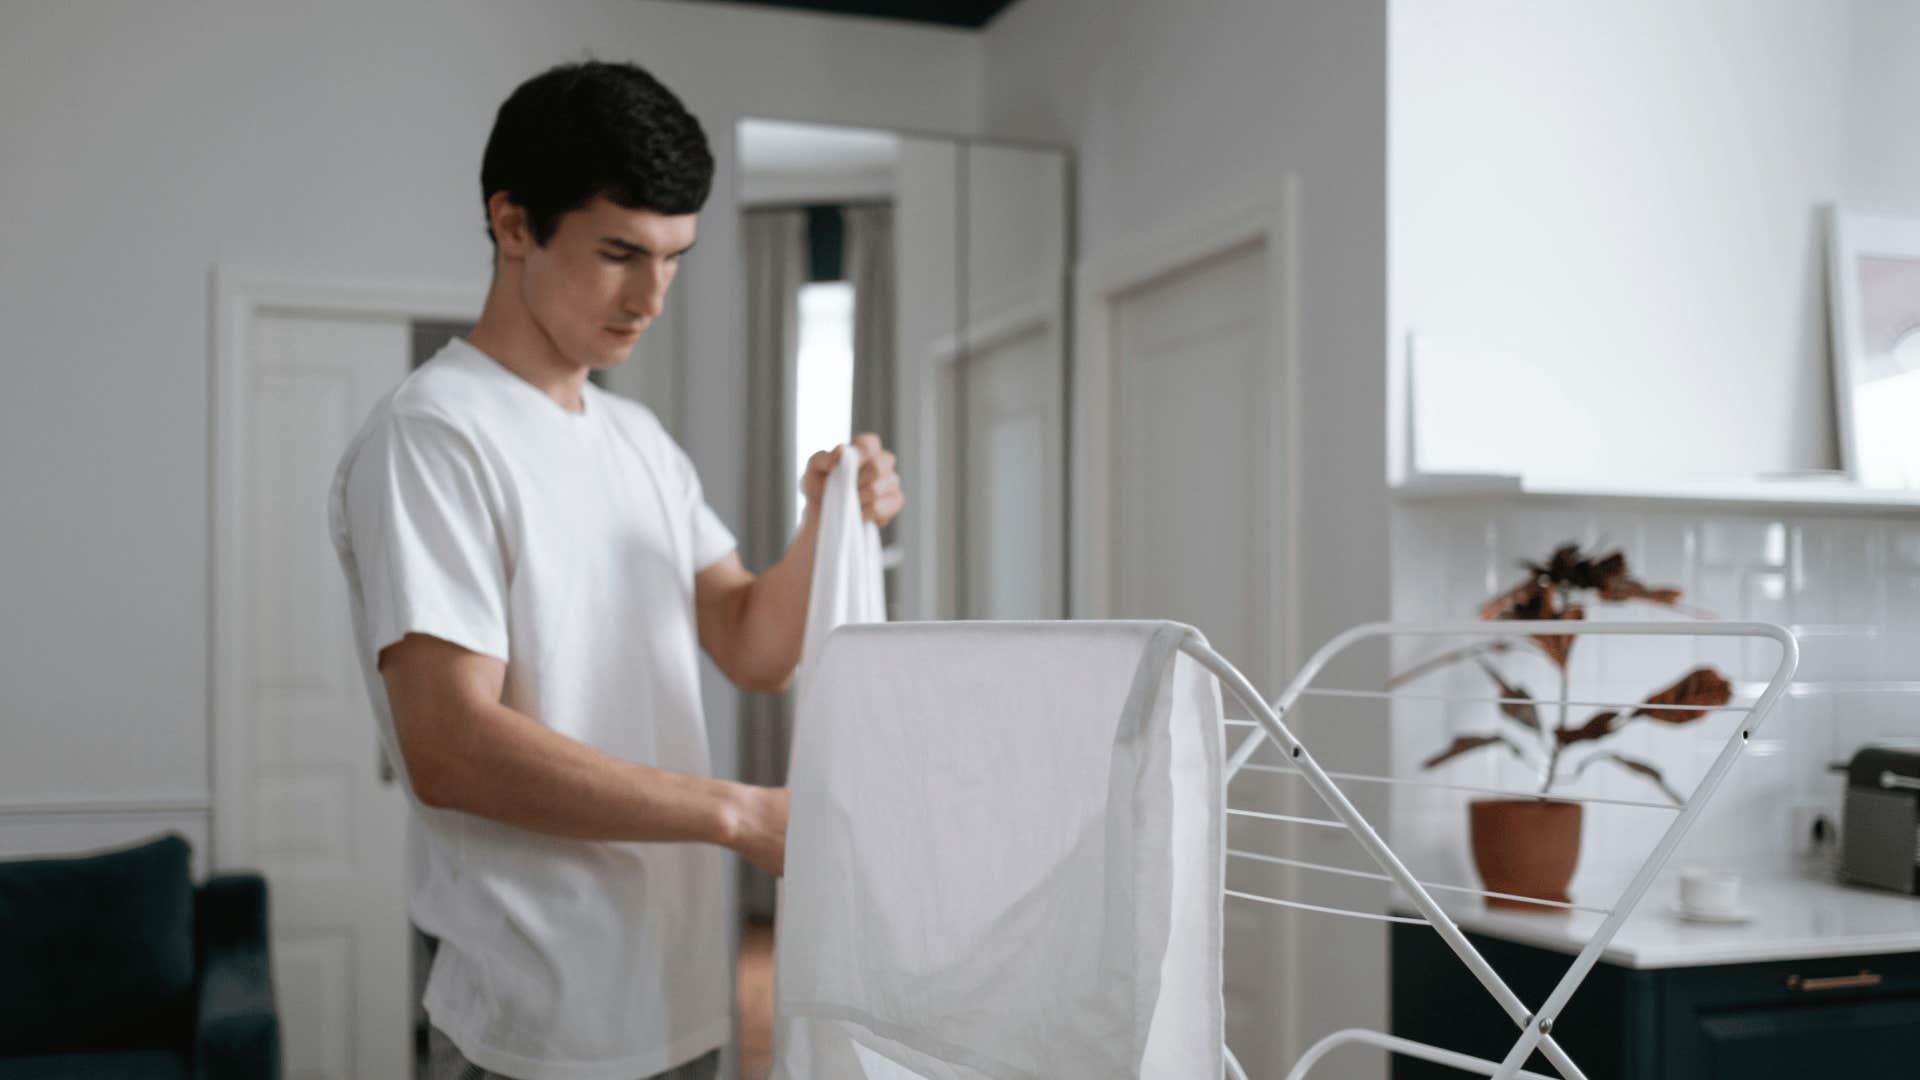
<point>753,625</point>
<point>881,496</point>
<point>757,827</point>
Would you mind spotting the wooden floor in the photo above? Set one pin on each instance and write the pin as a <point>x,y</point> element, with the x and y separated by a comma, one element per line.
<point>756,1001</point>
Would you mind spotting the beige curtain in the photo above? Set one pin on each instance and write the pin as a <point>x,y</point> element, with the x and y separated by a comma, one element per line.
<point>869,248</point>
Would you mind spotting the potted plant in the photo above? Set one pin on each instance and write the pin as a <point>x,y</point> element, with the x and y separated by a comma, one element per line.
<point>1530,846</point>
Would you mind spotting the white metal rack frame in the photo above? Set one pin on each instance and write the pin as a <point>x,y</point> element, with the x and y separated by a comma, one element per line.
<point>1533,1026</point>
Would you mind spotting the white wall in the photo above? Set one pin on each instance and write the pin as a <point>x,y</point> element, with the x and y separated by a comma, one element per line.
<point>1883,109</point>
<point>1626,195</point>
<point>146,142</point>
<point>1174,112</point>
<point>1623,201</point>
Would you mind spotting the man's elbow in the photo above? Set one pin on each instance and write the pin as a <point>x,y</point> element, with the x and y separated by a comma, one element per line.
<point>429,777</point>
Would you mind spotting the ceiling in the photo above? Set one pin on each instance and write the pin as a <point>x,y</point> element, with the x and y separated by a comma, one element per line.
<point>777,146</point>
<point>972,14</point>
<point>787,163</point>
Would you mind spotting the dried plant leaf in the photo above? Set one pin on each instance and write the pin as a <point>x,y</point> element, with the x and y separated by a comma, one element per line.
<point>1559,647</point>
<point>1636,766</point>
<point>1524,597</point>
<point>1466,743</point>
<point>1626,588</point>
<point>1701,688</point>
<point>1599,726</point>
<point>1524,713</point>
<point>1567,566</point>
<point>1537,599</point>
<point>1605,574</point>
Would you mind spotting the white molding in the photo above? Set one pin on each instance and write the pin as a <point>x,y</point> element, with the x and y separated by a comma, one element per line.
<point>1809,494</point>
<point>1146,257</point>
<point>782,189</point>
<point>156,805</point>
<point>1142,260</point>
<point>1037,308</point>
<point>240,293</point>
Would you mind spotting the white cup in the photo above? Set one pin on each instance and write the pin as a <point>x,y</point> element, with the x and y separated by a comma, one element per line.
<point>1705,891</point>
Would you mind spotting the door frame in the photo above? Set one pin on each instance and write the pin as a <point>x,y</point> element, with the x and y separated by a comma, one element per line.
<point>1141,260</point>
<point>240,294</point>
<point>1101,279</point>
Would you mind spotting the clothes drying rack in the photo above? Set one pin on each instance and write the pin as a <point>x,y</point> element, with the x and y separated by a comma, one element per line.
<point>1534,1026</point>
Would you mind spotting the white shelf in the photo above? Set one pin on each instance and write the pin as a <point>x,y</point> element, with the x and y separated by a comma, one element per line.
<point>1822,491</point>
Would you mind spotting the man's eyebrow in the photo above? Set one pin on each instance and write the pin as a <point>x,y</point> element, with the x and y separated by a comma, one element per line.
<point>628,245</point>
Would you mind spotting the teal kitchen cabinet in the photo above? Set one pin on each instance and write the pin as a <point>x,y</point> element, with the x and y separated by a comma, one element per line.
<point>1831,1016</point>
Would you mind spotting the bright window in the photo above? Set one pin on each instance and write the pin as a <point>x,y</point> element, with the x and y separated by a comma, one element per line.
<point>823,374</point>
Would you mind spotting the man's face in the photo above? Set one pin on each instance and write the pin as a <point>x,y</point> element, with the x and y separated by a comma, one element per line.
<point>602,278</point>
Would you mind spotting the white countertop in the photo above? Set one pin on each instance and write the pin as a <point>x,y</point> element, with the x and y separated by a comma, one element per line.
<point>1794,918</point>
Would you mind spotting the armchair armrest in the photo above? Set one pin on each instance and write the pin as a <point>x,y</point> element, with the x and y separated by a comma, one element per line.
<point>236,1026</point>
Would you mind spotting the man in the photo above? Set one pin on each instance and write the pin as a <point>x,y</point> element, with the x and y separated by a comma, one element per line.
<point>531,562</point>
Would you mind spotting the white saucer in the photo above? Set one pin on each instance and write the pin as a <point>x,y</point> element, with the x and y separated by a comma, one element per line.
<point>1720,918</point>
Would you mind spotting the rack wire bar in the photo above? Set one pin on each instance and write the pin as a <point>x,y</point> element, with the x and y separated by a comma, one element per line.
<point>1348,912</point>
<point>1624,706</point>
<point>1534,1027</point>
<point>1323,823</point>
<point>1302,864</point>
<point>1398,1045</point>
<point>1367,778</point>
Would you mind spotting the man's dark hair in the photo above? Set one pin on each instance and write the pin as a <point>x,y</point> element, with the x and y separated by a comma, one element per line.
<point>589,129</point>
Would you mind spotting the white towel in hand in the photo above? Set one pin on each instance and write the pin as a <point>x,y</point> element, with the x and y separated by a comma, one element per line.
<point>848,583</point>
<point>1004,857</point>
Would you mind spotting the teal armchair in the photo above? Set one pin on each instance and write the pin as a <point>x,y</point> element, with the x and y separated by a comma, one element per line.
<point>115,966</point>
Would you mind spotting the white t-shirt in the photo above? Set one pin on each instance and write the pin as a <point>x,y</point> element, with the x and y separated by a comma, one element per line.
<point>474,508</point>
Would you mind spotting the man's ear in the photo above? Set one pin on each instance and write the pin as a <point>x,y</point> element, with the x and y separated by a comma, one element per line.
<point>512,232</point>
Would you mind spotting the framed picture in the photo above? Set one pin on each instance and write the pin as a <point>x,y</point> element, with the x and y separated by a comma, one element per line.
<point>1874,291</point>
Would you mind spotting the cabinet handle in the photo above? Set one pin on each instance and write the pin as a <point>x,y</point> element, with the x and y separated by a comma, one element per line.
<point>1834,982</point>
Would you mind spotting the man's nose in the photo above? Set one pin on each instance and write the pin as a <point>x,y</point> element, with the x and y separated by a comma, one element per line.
<point>648,296</point>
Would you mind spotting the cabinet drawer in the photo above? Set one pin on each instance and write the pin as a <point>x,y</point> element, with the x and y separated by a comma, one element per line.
<point>1853,1016</point>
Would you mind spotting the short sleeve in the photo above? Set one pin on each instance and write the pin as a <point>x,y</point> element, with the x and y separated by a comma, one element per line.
<point>712,541</point>
<point>425,534</point>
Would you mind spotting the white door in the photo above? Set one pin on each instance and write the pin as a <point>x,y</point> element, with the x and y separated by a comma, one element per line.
<point>1011,447</point>
<point>1190,453</point>
<point>1192,440</point>
<point>298,793</point>
<point>1007,540</point>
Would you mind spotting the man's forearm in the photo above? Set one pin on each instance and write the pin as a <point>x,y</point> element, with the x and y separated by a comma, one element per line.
<point>773,620</point>
<point>510,768</point>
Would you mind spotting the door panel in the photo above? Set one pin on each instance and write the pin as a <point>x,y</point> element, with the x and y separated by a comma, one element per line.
<point>1191,497</point>
<point>1190,443</point>
<point>311,811</point>
<point>1010,525</point>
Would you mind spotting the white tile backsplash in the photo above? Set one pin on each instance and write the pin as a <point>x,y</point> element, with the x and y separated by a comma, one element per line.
<point>1847,585</point>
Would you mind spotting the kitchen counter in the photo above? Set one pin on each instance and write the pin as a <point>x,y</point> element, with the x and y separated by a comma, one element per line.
<point>1794,918</point>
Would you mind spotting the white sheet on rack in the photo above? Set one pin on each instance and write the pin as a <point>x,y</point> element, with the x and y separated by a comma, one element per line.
<point>848,584</point>
<point>1004,857</point>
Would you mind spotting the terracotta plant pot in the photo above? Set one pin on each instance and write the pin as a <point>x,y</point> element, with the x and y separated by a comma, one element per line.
<point>1525,847</point>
